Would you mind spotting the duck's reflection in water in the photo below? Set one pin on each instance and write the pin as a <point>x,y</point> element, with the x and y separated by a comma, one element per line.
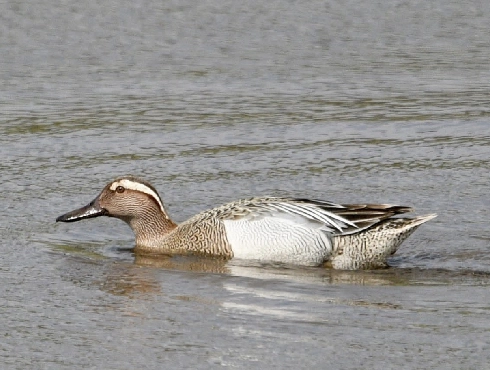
<point>184,263</point>
<point>321,275</point>
<point>143,275</point>
<point>269,271</point>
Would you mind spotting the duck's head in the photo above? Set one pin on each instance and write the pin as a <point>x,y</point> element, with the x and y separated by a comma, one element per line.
<point>128,198</point>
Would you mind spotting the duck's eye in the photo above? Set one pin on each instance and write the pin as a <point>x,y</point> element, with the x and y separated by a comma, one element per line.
<point>120,189</point>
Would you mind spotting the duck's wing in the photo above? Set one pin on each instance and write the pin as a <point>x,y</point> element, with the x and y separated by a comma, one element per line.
<point>331,217</point>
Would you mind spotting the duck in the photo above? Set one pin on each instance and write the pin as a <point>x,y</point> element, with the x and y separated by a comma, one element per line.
<point>297,231</point>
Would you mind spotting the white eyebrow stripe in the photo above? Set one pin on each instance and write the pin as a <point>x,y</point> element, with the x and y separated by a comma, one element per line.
<point>132,185</point>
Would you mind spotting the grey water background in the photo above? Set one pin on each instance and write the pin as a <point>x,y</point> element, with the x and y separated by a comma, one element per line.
<point>352,101</point>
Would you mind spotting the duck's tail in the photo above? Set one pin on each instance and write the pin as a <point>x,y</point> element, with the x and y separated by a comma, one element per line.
<point>369,248</point>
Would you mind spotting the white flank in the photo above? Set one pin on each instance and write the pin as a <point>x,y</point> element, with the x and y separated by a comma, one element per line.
<point>278,239</point>
<point>131,185</point>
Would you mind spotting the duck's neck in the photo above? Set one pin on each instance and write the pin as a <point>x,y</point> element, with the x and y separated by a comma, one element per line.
<point>150,229</point>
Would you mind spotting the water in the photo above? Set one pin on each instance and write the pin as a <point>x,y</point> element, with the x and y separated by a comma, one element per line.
<point>352,102</point>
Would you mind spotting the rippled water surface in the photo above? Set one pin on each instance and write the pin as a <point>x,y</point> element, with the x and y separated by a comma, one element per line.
<point>384,101</point>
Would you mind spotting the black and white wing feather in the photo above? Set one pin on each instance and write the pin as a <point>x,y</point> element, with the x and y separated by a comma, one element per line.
<point>338,219</point>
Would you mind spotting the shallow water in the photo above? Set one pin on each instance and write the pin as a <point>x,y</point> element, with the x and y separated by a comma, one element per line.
<point>350,102</point>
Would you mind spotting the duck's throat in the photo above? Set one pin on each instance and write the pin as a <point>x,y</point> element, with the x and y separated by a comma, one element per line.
<point>149,231</point>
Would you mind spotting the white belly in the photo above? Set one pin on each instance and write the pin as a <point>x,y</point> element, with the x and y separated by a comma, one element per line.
<point>278,239</point>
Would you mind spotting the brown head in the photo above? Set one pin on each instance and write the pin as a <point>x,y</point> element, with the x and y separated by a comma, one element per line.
<point>132,200</point>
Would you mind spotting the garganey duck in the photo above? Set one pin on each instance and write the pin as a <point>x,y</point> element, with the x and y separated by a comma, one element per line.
<point>285,230</point>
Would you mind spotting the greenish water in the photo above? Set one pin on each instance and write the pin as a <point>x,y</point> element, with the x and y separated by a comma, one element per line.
<point>350,102</point>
